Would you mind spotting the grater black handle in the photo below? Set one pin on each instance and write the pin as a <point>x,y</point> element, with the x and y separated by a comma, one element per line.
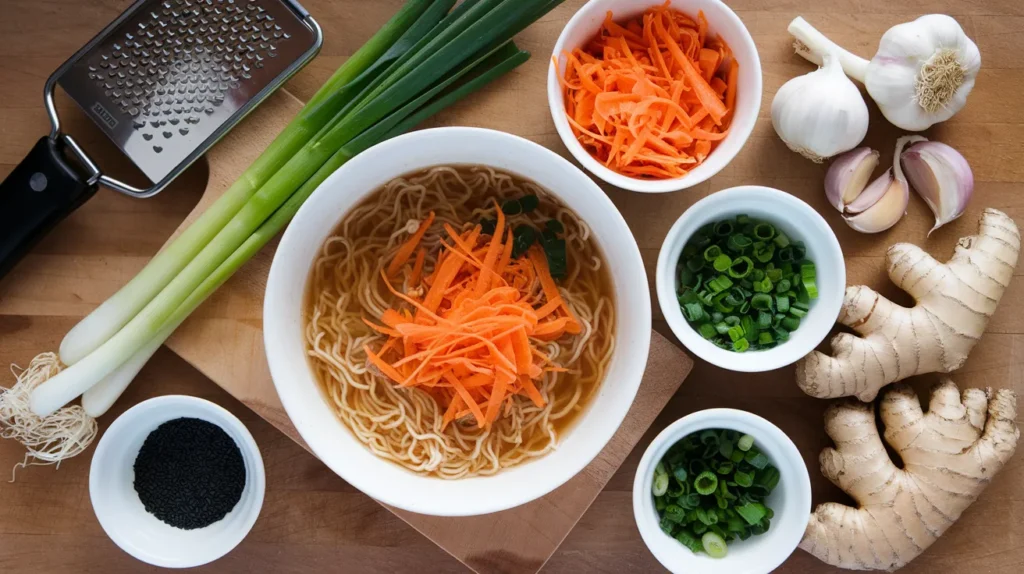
<point>41,191</point>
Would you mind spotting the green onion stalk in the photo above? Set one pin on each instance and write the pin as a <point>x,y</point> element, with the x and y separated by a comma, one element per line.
<point>457,54</point>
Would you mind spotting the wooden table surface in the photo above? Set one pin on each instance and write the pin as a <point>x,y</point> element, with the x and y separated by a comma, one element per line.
<point>313,520</point>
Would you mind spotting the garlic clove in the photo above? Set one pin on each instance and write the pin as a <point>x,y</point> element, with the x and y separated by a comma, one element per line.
<point>941,176</point>
<point>885,212</point>
<point>885,200</point>
<point>871,194</point>
<point>848,175</point>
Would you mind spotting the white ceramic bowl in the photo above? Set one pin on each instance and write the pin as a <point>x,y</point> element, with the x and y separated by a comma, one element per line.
<point>801,223</point>
<point>303,398</point>
<point>722,21</point>
<point>790,501</point>
<point>120,512</point>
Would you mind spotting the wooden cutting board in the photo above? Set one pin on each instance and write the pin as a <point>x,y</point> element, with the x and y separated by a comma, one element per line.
<point>224,340</point>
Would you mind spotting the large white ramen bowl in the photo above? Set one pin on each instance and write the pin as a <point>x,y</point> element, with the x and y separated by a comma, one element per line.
<point>303,399</point>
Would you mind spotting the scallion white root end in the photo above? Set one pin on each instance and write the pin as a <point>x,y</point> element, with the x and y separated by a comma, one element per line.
<point>47,440</point>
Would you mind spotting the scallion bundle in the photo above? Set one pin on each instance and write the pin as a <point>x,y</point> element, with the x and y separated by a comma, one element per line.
<point>429,55</point>
<point>744,284</point>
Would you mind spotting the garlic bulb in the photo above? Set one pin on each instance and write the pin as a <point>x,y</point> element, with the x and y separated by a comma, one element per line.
<point>941,176</point>
<point>921,74</point>
<point>820,114</point>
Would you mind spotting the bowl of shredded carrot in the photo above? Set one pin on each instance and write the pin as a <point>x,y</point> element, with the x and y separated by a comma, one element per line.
<point>654,97</point>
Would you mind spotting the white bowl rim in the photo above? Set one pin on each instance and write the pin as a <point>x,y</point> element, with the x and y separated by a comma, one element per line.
<point>829,304</point>
<point>219,416</point>
<point>557,107</point>
<point>435,505</point>
<point>726,418</point>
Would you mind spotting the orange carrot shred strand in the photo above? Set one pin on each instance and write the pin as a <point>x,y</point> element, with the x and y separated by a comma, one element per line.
<point>417,268</point>
<point>409,247</point>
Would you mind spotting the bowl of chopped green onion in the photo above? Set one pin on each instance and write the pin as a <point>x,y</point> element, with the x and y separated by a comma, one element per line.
<point>751,278</point>
<point>722,490</point>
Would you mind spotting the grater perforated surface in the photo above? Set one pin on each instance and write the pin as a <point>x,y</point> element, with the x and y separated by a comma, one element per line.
<point>171,74</point>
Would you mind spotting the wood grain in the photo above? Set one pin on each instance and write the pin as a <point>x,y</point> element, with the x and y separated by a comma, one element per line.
<point>312,519</point>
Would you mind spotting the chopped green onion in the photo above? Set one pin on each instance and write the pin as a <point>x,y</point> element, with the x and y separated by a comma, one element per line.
<point>791,323</point>
<point>781,303</point>
<point>712,253</point>
<point>706,482</point>
<point>811,288</point>
<point>721,303</point>
<point>741,267</point>
<point>746,441</point>
<point>764,231</point>
<point>752,512</point>
<point>693,311</point>
<point>763,286</point>
<point>797,312</point>
<point>765,254</point>
<point>690,541</point>
<point>765,338</point>
<point>660,485</point>
<point>735,333</point>
<point>761,301</point>
<point>738,243</point>
<point>723,228</point>
<point>707,330</point>
<point>719,284</point>
<point>781,239</point>
<point>722,263</point>
<point>741,345</point>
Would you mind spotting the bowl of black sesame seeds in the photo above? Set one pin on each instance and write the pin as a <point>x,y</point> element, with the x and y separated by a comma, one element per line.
<point>177,481</point>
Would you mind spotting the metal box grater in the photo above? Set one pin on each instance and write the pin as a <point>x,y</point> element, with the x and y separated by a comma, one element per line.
<point>164,81</point>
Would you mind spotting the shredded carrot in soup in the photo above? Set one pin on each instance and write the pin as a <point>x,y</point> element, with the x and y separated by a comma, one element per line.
<point>473,338</point>
<point>651,97</point>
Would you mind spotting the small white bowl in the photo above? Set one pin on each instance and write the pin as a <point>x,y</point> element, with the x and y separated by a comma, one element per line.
<point>790,501</point>
<point>126,521</point>
<point>722,21</point>
<point>801,223</point>
<point>303,396</point>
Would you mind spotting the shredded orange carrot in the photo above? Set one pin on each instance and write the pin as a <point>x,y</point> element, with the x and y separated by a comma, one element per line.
<point>417,267</point>
<point>409,247</point>
<point>638,94</point>
<point>473,340</point>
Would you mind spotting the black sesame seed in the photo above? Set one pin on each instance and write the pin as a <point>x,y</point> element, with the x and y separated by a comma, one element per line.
<point>189,473</point>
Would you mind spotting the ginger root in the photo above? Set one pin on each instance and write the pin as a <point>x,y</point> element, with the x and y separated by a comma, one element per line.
<point>949,454</point>
<point>954,303</point>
